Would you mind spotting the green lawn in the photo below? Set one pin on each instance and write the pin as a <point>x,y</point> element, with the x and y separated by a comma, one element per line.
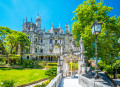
<point>21,76</point>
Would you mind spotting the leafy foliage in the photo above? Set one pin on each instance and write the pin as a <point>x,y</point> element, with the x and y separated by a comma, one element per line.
<point>11,41</point>
<point>52,64</point>
<point>44,84</point>
<point>84,16</point>
<point>8,83</point>
<point>51,72</point>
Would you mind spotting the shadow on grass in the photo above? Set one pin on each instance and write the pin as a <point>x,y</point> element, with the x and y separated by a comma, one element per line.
<point>9,68</point>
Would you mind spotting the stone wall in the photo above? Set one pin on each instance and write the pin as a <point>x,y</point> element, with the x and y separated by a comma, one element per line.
<point>56,81</point>
<point>86,82</point>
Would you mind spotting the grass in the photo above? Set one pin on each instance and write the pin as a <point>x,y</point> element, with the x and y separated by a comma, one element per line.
<point>21,76</point>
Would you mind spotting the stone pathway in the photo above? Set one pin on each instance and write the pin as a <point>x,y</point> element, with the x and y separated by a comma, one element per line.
<point>69,82</point>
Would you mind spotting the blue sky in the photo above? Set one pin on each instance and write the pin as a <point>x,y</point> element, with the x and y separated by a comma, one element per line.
<point>12,12</point>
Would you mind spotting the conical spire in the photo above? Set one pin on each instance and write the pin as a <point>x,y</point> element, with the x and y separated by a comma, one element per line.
<point>31,19</point>
<point>23,21</point>
<point>26,19</point>
<point>52,24</point>
<point>38,15</point>
<point>59,25</point>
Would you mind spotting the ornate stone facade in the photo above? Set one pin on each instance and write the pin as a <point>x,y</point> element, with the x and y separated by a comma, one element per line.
<point>46,46</point>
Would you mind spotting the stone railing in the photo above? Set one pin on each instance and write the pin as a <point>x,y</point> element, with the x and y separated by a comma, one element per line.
<point>86,82</point>
<point>56,81</point>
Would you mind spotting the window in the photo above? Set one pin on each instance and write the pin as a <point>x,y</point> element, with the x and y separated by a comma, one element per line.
<point>35,39</point>
<point>41,57</point>
<point>41,40</point>
<point>27,57</point>
<point>56,33</point>
<point>50,40</point>
<point>41,50</point>
<point>60,40</point>
<point>55,41</point>
<point>50,51</point>
<point>36,50</point>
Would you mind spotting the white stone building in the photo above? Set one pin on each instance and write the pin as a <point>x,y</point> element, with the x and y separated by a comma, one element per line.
<point>46,46</point>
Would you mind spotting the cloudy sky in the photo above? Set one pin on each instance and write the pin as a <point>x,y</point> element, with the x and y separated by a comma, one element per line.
<point>12,12</point>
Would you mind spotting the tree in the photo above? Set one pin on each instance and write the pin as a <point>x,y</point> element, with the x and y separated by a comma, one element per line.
<point>10,40</point>
<point>84,16</point>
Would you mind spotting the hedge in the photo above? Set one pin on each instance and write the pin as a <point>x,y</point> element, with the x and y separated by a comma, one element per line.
<point>51,64</point>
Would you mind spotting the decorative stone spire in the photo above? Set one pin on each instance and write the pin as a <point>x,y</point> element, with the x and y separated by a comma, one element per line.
<point>23,21</point>
<point>31,19</point>
<point>38,15</point>
<point>52,24</point>
<point>26,19</point>
<point>59,25</point>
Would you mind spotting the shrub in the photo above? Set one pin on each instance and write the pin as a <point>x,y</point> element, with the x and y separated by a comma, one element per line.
<point>51,64</point>
<point>43,63</point>
<point>52,71</point>
<point>76,66</point>
<point>44,84</point>
<point>37,64</point>
<point>3,61</point>
<point>8,83</point>
<point>27,64</point>
<point>118,76</point>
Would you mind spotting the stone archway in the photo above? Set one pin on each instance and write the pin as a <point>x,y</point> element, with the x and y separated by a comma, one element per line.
<point>71,58</point>
<point>69,55</point>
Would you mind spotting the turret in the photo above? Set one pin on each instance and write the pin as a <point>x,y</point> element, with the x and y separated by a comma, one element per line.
<point>23,25</point>
<point>59,25</point>
<point>67,28</point>
<point>38,22</point>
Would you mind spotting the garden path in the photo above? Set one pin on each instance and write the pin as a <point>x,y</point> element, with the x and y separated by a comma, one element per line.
<point>70,82</point>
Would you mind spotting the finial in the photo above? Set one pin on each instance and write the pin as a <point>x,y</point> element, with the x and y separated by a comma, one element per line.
<point>38,15</point>
<point>52,24</point>
<point>26,19</point>
<point>31,19</point>
<point>59,24</point>
<point>23,21</point>
<point>44,28</point>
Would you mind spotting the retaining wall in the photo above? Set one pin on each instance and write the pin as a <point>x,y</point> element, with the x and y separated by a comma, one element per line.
<point>86,82</point>
<point>56,81</point>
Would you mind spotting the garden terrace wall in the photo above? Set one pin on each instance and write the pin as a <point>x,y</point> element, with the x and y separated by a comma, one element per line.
<point>56,81</point>
<point>32,82</point>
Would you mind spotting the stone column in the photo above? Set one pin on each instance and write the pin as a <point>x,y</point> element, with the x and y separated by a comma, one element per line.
<point>79,65</point>
<point>50,58</point>
<point>67,68</point>
<point>74,66</point>
<point>58,66</point>
<point>83,66</point>
<point>44,58</point>
<point>71,67</point>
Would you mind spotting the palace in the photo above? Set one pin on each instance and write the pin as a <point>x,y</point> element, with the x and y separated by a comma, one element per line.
<point>47,46</point>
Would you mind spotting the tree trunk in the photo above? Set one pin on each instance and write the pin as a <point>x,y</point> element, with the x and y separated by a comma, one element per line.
<point>8,60</point>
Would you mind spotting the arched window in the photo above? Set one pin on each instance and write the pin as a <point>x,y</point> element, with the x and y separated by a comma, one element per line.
<point>27,57</point>
<point>50,40</point>
<point>55,32</point>
<point>41,40</point>
<point>36,50</point>
<point>55,41</point>
<point>35,39</point>
<point>41,50</point>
